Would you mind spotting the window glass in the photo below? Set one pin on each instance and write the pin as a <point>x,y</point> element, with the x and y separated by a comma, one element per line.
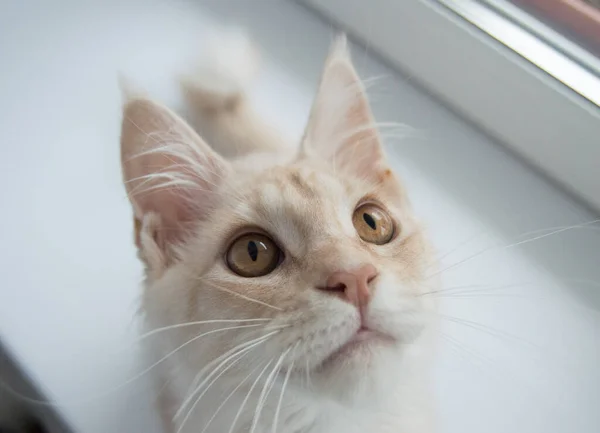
<point>578,20</point>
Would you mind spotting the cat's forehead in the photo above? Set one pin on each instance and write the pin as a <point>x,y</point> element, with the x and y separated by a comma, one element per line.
<point>269,182</point>
<point>294,189</point>
<point>298,201</point>
<point>300,183</point>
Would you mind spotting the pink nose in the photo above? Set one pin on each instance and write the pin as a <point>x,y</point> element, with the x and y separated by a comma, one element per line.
<point>353,285</point>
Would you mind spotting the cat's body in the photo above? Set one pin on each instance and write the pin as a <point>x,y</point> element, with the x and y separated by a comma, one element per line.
<point>305,267</point>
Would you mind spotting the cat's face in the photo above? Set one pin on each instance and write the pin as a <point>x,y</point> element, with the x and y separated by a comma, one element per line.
<point>318,252</point>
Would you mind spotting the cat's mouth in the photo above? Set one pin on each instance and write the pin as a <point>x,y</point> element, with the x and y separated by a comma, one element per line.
<point>362,343</point>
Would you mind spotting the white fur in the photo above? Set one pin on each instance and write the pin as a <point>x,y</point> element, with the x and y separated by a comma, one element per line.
<point>304,201</point>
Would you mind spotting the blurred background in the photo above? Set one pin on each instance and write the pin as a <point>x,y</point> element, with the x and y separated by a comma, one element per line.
<point>500,153</point>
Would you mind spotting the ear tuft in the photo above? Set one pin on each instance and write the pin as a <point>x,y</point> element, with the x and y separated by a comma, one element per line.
<point>339,49</point>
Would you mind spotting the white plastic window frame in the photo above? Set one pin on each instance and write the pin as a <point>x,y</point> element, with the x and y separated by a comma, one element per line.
<point>524,91</point>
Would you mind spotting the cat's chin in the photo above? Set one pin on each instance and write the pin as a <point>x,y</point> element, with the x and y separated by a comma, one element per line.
<point>356,367</point>
<point>361,348</point>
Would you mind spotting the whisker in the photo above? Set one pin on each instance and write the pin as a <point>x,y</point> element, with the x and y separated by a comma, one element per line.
<point>482,358</point>
<point>505,373</point>
<point>242,352</point>
<point>461,350</point>
<point>590,312</point>
<point>238,386</point>
<point>247,298</point>
<point>556,359</point>
<point>307,367</point>
<point>488,329</point>
<point>171,353</point>
<point>266,390</point>
<point>483,295</point>
<point>283,387</point>
<point>239,412</point>
<point>483,291</point>
<point>453,289</point>
<point>556,231</point>
<point>367,82</point>
<point>230,353</point>
<point>199,322</point>
<point>191,410</point>
<point>79,402</point>
<point>461,244</point>
<point>525,241</point>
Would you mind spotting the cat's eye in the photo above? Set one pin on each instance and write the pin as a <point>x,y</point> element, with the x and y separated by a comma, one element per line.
<point>373,224</point>
<point>253,255</point>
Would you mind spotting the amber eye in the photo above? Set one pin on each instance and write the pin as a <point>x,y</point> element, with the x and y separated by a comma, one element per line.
<point>373,224</point>
<point>253,255</point>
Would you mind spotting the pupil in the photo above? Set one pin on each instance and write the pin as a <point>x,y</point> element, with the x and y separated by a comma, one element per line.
<point>369,220</point>
<point>253,250</point>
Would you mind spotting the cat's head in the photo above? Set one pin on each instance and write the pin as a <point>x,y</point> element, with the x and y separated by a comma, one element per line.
<point>314,257</point>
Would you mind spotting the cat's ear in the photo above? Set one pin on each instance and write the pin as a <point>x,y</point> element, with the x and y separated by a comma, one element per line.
<point>341,126</point>
<point>171,176</point>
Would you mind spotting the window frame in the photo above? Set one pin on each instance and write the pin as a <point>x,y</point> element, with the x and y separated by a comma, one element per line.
<point>464,53</point>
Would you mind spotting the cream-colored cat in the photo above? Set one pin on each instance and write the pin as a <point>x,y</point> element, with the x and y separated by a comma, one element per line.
<point>290,278</point>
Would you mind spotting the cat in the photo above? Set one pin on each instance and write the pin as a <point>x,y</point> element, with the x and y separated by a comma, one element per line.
<point>283,282</point>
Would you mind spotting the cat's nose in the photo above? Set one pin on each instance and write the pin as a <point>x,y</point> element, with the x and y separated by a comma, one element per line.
<point>353,285</point>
